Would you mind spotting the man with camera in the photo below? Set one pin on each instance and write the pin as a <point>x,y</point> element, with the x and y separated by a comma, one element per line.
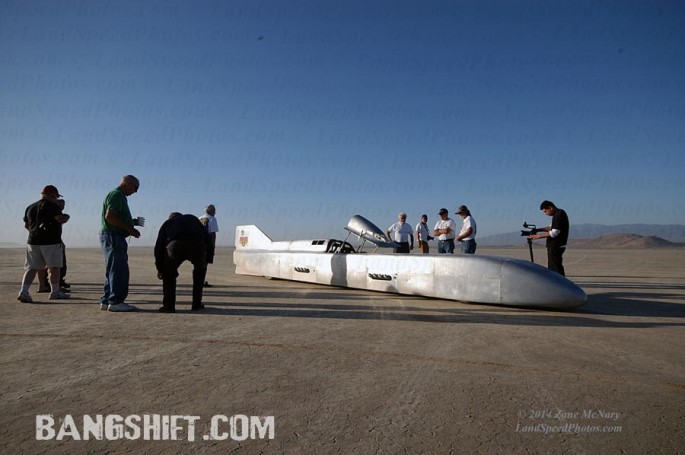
<point>43,219</point>
<point>556,235</point>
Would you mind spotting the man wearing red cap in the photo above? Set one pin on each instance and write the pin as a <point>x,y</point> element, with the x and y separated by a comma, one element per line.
<point>43,219</point>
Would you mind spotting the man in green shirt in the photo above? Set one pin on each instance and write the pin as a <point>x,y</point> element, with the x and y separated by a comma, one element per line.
<point>116,225</point>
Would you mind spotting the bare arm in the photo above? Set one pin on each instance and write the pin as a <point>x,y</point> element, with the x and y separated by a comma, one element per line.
<point>544,235</point>
<point>468,232</point>
<point>112,217</point>
<point>445,230</point>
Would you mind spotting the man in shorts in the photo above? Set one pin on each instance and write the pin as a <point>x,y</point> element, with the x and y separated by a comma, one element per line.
<point>43,219</point>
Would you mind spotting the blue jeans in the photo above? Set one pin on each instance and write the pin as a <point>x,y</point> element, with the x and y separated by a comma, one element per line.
<point>115,248</point>
<point>446,246</point>
<point>468,246</point>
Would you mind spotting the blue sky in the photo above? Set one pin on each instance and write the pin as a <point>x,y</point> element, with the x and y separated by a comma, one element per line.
<point>297,115</point>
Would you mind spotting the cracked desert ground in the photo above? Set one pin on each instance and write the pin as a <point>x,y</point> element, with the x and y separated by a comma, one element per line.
<point>348,371</point>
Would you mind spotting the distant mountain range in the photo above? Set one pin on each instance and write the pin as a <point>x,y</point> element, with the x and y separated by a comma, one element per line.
<point>624,241</point>
<point>671,234</point>
<point>583,236</point>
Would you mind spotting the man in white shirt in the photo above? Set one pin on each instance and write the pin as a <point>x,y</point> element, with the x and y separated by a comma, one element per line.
<point>444,231</point>
<point>467,235</point>
<point>212,226</point>
<point>401,233</point>
<point>422,234</point>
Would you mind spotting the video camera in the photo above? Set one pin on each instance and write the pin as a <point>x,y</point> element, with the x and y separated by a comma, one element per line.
<point>532,230</point>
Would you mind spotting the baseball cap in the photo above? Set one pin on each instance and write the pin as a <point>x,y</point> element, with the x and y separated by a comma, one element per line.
<point>443,211</point>
<point>462,209</point>
<point>51,190</point>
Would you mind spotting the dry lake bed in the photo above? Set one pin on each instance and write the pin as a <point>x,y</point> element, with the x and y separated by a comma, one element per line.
<point>282,367</point>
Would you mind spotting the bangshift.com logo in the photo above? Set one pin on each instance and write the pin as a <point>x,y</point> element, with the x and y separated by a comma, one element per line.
<point>153,427</point>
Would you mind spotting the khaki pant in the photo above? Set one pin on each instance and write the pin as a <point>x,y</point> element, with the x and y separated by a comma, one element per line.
<point>423,247</point>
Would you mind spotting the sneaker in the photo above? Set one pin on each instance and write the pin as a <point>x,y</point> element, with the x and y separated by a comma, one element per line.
<point>104,306</point>
<point>119,307</point>
<point>24,297</point>
<point>166,309</point>
<point>207,285</point>
<point>59,295</point>
<point>198,307</point>
<point>64,284</point>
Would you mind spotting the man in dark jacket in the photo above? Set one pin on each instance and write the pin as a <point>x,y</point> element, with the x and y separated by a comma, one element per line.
<point>181,238</point>
<point>556,235</point>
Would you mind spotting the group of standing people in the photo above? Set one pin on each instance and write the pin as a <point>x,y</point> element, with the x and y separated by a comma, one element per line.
<point>445,230</point>
<point>188,238</point>
<point>556,234</point>
<point>180,238</point>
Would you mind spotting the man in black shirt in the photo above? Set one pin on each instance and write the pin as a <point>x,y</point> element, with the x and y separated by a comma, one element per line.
<point>556,235</point>
<point>43,219</point>
<point>181,238</point>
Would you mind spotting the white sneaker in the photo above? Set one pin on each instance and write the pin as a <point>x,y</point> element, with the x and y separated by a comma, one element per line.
<point>59,295</point>
<point>121,307</point>
<point>24,297</point>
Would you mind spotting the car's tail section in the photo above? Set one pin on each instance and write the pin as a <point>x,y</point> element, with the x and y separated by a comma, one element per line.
<point>250,237</point>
